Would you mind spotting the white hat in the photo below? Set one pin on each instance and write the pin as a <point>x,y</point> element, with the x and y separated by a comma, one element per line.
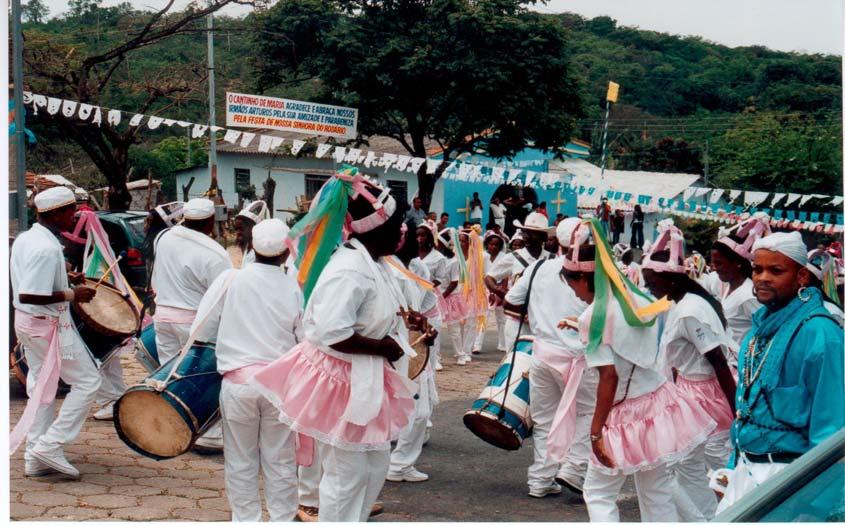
<point>198,209</point>
<point>256,212</point>
<point>535,222</point>
<point>269,236</point>
<point>564,230</point>
<point>790,244</point>
<point>54,198</point>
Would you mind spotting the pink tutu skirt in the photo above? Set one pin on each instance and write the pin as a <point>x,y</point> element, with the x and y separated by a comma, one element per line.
<point>652,429</point>
<point>708,394</point>
<point>311,389</point>
<point>453,308</point>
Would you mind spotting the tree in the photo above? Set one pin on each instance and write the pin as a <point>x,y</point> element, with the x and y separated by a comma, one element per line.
<point>88,73</point>
<point>35,11</point>
<point>463,75</point>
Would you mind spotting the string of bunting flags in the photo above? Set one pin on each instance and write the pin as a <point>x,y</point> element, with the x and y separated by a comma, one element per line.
<point>704,203</point>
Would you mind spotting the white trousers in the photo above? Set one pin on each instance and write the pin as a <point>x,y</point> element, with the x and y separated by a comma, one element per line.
<point>113,386</point>
<point>693,496</point>
<point>408,446</point>
<point>500,331</point>
<point>80,373</point>
<point>254,439</point>
<point>546,390</point>
<point>511,328</point>
<point>309,479</point>
<point>463,335</point>
<point>170,337</point>
<point>352,481</point>
<point>654,494</point>
<point>437,324</point>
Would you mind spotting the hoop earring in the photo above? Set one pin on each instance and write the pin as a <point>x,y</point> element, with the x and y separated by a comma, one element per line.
<point>800,296</point>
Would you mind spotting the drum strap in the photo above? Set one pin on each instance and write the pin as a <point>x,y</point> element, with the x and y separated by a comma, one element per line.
<point>518,332</point>
<point>159,386</point>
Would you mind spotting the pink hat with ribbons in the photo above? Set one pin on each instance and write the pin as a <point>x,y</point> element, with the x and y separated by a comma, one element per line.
<point>672,239</point>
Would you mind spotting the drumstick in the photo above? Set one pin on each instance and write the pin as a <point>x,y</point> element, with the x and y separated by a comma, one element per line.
<point>108,271</point>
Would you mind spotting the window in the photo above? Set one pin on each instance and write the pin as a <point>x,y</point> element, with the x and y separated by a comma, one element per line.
<point>313,183</point>
<point>399,190</point>
<point>241,179</point>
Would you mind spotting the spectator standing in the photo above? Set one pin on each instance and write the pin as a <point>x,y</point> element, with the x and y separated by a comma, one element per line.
<point>444,221</point>
<point>476,209</point>
<point>416,212</point>
<point>497,211</point>
<point>603,214</point>
<point>618,225</point>
<point>637,227</point>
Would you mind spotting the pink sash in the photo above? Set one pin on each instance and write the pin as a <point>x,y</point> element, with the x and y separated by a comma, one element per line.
<point>169,314</point>
<point>47,382</point>
<point>562,432</point>
<point>304,444</point>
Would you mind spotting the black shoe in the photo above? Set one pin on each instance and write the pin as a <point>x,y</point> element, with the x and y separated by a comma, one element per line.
<point>570,487</point>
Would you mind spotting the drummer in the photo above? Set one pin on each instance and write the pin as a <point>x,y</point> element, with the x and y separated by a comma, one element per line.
<point>257,320</point>
<point>557,368</point>
<point>245,221</point>
<point>187,262</point>
<point>54,350</point>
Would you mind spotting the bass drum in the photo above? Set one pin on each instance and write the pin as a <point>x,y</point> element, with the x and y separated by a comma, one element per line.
<point>146,351</point>
<point>105,323</point>
<point>164,424</point>
<point>501,416</point>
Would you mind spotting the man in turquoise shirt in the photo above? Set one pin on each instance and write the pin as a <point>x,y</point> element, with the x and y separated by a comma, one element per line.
<point>790,389</point>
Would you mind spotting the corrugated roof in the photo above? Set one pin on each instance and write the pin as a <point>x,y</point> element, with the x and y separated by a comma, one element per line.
<point>377,143</point>
<point>657,184</point>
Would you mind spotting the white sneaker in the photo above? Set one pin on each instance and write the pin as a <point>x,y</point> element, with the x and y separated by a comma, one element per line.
<point>462,360</point>
<point>208,445</point>
<point>438,366</point>
<point>106,413</point>
<point>55,459</point>
<point>35,469</point>
<point>413,475</point>
<point>554,488</point>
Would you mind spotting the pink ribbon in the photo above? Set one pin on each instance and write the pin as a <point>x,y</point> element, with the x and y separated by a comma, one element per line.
<point>47,382</point>
<point>304,450</point>
<point>562,432</point>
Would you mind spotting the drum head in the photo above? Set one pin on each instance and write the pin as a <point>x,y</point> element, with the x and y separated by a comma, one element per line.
<point>491,430</point>
<point>109,313</point>
<point>417,364</point>
<point>146,422</point>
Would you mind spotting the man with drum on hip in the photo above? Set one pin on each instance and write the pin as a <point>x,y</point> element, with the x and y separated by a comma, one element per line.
<point>535,231</point>
<point>54,350</point>
<point>557,376</point>
<point>187,262</point>
<point>256,320</point>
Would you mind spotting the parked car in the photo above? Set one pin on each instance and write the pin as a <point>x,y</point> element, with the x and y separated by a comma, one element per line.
<point>126,233</point>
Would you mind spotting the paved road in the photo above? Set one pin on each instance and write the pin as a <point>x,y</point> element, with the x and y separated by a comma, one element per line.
<point>470,480</point>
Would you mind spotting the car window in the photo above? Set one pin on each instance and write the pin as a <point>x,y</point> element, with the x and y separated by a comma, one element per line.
<point>117,237</point>
<point>136,227</point>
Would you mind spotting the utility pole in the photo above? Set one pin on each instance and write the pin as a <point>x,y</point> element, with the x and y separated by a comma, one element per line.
<point>20,135</point>
<point>212,150</point>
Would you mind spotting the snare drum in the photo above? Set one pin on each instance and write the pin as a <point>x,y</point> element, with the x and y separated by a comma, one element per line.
<point>106,322</point>
<point>146,351</point>
<point>162,425</point>
<point>505,426</point>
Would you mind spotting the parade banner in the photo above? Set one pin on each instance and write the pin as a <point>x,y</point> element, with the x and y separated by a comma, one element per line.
<point>256,111</point>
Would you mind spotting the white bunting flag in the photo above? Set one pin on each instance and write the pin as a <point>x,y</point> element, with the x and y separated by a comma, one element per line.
<point>416,164</point>
<point>38,101</point>
<point>753,198</point>
<point>339,154</point>
<point>735,194</point>
<point>498,175</point>
<point>370,160</point>
<point>53,105</point>
<point>715,195</point>
<point>246,139</point>
<point>322,149</point>
<point>792,198</point>
<point>263,143</point>
<point>777,197</point>
<point>113,117</point>
<point>402,162</point>
<point>169,122</point>
<point>432,165</point>
<point>232,136</point>
<point>183,123</point>
<point>387,161</point>
<point>688,193</point>
<point>836,201</point>
<point>353,156</point>
<point>198,131</point>
<point>136,120</point>
<point>529,177</point>
<point>85,111</point>
<point>98,117</point>
<point>297,145</point>
<point>805,199</point>
<point>154,122</point>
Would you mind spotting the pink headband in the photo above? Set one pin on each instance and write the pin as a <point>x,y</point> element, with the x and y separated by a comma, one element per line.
<point>580,236</point>
<point>750,230</point>
<point>673,239</point>
<point>384,206</point>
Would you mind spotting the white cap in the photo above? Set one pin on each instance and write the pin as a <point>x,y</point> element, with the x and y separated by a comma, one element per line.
<point>535,222</point>
<point>790,244</point>
<point>256,212</point>
<point>198,209</point>
<point>53,198</point>
<point>564,230</point>
<point>268,237</point>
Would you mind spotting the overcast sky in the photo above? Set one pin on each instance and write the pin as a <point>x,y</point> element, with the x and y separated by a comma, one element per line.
<point>810,26</point>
